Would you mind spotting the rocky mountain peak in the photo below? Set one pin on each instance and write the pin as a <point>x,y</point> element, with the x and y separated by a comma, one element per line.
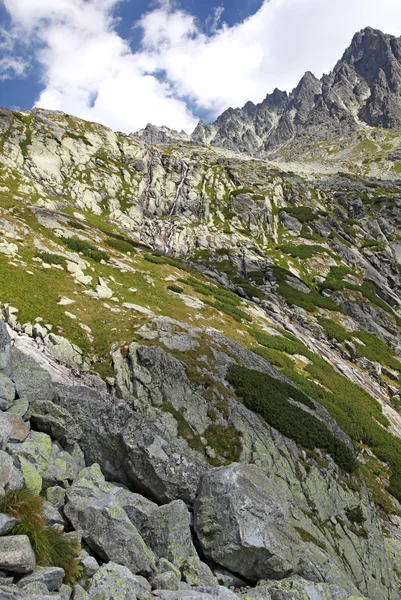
<point>362,90</point>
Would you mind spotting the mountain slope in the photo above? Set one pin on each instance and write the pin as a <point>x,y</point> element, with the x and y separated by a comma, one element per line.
<point>237,312</point>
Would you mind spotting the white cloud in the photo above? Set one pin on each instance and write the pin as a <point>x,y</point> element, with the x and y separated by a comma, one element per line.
<point>90,71</point>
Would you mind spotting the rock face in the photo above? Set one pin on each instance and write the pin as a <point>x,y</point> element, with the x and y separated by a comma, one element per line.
<point>16,554</point>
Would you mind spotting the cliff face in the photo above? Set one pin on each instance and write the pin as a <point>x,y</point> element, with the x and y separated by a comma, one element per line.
<point>221,344</point>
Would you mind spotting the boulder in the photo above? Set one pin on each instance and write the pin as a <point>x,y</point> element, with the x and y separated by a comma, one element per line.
<point>167,531</point>
<point>19,428</point>
<point>198,593</point>
<point>241,522</point>
<point>54,465</point>
<point>5,431</point>
<point>55,421</point>
<point>93,511</point>
<point>10,476</point>
<point>297,589</point>
<point>7,524</point>
<point>51,577</point>
<point>114,581</point>
<point>31,381</point>
<point>131,449</point>
<point>7,391</point>
<point>5,350</point>
<point>16,554</point>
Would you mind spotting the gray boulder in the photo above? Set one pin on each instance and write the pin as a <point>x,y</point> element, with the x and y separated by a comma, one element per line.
<point>167,531</point>
<point>297,589</point>
<point>7,392</point>
<point>5,431</point>
<point>51,577</point>
<point>131,449</point>
<point>93,511</point>
<point>54,465</point>
<point>5,350</point>
<point>114,581</point>
<point>10,476</point>
<point>31,381</point>
<point>241,522</point>
<point>7,524</point>
<point>55,421</point>
<point>198,593</point>
<point>16,554</point>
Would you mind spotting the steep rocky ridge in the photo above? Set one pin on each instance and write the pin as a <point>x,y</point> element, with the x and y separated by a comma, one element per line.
<point>178,272</point>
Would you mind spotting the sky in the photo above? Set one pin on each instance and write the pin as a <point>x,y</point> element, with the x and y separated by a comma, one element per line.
<point>126,63</point>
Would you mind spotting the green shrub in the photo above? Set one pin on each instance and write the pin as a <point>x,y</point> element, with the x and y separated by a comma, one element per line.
<point>52,259</point>
<point>281,343</point>
<point>158,259</point>
<point>376,350</point>
<point>117,236</point>
<point>244,190</point>
<point>76,224</point>
<point>309,302</point>
<point>121,245</point>
<point>257,277</point>
<point>232,311</point>
<point>333,330</point>
<point>302,251</point>
<point>175,288</point>
<point>269,398</point>
<point>51,547</point>
<point>85,248</point>
<point>304,214</point>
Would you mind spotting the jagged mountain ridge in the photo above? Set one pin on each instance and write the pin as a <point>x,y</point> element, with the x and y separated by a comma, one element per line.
<point>363,91</point>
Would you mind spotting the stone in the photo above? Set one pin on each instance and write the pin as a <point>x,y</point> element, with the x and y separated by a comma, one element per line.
<point>32,478</point>
<point>16,554</point>
<point>253,543</point>
<point>56,422</point>
<point>56,496</point>
<point>52,515</point>
<point>7,524</point>
<point>167,531</point>
<point>64,351</point>
<point>5,431</point>
<point>164,581</point>
<point>297,589</point>
<point>54,465</point>
<point>32,382</point>
<point>5,351</point>
<point>131,449</point>
<point>19,428</point>
<point>10,477</point>
<point>78,593</point>
<point>198,593</point>
<point>113,581</point>
<point>105,527</point>
<point>90,563</point>
<point>20,408</point>
<point>7,391</point>
<point>51,577</point>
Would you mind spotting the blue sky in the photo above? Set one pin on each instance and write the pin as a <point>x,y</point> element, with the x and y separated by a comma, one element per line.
<point>125,63</point>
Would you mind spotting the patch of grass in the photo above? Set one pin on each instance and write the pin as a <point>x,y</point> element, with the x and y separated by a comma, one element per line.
<point>257,277</point>
<point>51,547</point>
<point>376,350</point>
<point>226,441</point>
<point>52,259</point>
<point>244,190</point>
<point>86,248</point>
<point>289,345</point>
<point>279,359</point>
<point>269,398</point>
<point>397,166</point>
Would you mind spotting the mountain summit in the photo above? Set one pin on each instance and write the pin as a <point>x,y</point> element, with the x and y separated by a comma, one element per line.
<point>363,90</point>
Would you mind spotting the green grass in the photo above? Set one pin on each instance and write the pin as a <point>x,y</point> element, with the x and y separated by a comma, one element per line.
<point>76,224</point>
<point>376,351</point>
<point>51,547</point>
<point>269,398</point>
<point>275,357</point>
<point>333,330</point>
